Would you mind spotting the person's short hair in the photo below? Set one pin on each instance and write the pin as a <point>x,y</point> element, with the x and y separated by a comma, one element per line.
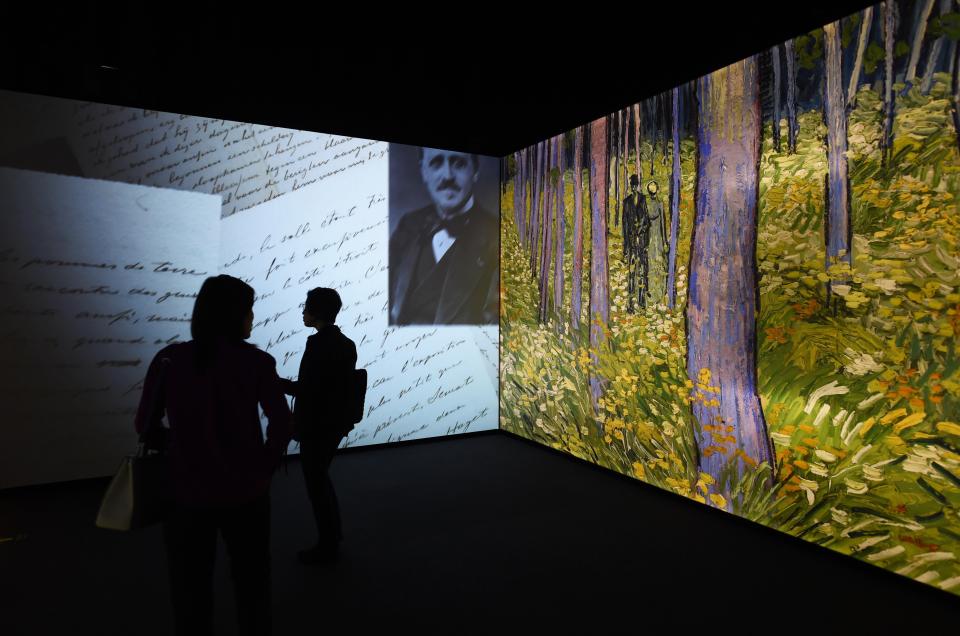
<point>653,187</point>
<point>634,180</point>
<point>323,303</point>
<point>221,308</point>
<point>473,157</point>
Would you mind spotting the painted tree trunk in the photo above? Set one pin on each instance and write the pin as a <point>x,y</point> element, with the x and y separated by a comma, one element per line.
<point>638,166</point>
<point>653,135</point>
<point>886,141</point>
<point>664,124</point>
<point>532,179</point>
<point>722,307</point>
<point>524,200</point>
<point>953,57</point>
<point>955,86</point>
<point>504,176</point>
<point>934,56</point>
<point>858,61</point>
<point>793,125</point>
<point>599,274</point>
<point>919,30</point>
<point>837,229</point>
<point>517,180</point>
<point>775,126</point>
<point>615,151</point>
<point>576,281</point>
<point>561,231</point>
<point>525,183</point>
<point>535,229</point>
<point>655,139</point>
<point>625,149</point>
<point>546,254</point>
<point>531,189</point>
<point>674,204</point>
<point>504,172</point>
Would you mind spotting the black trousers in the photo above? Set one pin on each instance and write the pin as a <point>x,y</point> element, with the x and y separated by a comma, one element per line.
<point>190,535</point>
<point>315,458</point>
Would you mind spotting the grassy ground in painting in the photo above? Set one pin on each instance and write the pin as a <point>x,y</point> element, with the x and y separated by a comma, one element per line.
<point>860,393</point>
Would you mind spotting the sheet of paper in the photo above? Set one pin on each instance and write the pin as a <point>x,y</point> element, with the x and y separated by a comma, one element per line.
<point>245,164</point>
<point>95,278</point>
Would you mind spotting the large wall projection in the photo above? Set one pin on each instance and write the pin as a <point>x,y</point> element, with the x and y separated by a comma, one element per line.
<point>114,216</point>
<point>746,290</point>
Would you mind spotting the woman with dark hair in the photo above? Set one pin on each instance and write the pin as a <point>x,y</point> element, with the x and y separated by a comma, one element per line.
<point>220,465</point>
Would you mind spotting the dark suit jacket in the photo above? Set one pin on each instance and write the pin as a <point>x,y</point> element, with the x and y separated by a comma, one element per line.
<point>636,224</point>
<point>323,387</point>
<point>470,289</point>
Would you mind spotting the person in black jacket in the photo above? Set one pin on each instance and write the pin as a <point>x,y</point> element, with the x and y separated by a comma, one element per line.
<point>321,414</point>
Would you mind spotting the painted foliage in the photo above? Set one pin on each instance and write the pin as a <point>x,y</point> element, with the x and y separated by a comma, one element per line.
<point>758,305</point>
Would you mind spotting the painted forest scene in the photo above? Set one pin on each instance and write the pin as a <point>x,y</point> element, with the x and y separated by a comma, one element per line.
<point>746,290</point>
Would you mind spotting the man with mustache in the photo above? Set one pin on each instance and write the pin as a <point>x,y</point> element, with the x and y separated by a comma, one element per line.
<point>444,257</point>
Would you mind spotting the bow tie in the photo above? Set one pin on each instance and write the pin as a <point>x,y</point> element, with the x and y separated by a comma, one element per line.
<point>455,225</point>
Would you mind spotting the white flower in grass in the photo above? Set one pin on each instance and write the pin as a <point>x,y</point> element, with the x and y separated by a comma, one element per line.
<point>916,464</point>
<point>860,453</point>
<point>884,555</point>
<point>861,363</point>
<point>869,543</point>
<point>871,473</point>
<point>781,439</point>
<point>827,389</point>
<point>888,285</point>
<point>840,516</point>
<point>927,452</point>
<point>819,469</point>
<point>949,584</point>
<point>855,487</point>
<point>928,577</point>
<point>860,525</point>
<point>821,415</point>
<point>825,456</point>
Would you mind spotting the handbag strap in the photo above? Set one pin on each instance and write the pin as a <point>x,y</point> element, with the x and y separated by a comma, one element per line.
<point>156,406</point>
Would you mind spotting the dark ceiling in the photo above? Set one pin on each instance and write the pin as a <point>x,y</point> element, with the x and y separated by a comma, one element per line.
<point>464,81</point>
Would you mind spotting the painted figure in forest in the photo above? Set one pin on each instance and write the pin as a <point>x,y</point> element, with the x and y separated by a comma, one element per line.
<point>639,217</point>
<point>636,276</point>
<point>656,251</point>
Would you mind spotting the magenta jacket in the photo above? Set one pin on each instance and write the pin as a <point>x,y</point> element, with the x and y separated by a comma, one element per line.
<point>218,455</point>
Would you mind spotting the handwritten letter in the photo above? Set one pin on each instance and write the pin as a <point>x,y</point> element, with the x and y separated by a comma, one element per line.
<point>95,278</point>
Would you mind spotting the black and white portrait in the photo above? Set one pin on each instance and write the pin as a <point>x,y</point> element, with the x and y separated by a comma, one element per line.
<point>444,237</point>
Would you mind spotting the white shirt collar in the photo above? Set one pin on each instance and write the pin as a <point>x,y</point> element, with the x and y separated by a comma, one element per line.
<point>442,241</point>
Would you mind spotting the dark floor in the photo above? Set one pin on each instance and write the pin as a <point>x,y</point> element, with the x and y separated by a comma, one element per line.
<point>479,534</point>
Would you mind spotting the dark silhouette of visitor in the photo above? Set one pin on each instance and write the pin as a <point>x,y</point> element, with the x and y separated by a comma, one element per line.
<point>321,414</point>
<point>220,465</point>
